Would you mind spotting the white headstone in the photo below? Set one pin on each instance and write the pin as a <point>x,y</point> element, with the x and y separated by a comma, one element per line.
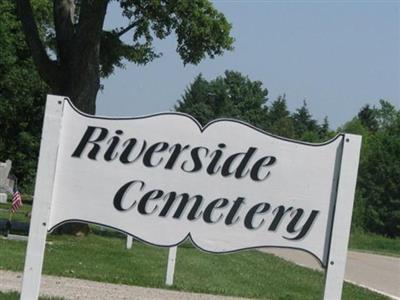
<point>5,168</point>
<point>3,198</point>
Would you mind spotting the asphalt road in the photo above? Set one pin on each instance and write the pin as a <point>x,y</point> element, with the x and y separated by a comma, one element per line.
<point>376,272</point>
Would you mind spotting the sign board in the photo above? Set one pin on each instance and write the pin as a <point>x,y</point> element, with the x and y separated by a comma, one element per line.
<point>163,178</point>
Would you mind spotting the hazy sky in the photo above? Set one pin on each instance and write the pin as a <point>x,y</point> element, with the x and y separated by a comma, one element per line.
<point>338,55</point>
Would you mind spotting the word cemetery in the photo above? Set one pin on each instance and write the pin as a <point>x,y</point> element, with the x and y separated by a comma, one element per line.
<point>164,179</point>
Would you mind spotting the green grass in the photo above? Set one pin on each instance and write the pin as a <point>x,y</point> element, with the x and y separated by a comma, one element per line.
<point>20,215</point>
<point>248,274</point>
<point>369,242</point>
<point>103,257</point>
<point>9,296</point>
<point>15,296</point>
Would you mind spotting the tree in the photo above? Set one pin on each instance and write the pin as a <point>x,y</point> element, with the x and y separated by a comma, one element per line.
<point>230,96</point>
<point>377,206</point>
<point>368,118</point>
<point>305,127</point>
<point>379,183</point>
<point>279,109</point>
<point>380,171</point>
<point>22,95</point>
<point>280,122</point>
<point>324,131</point>
<point>84,52</point>
<point>235,96</point>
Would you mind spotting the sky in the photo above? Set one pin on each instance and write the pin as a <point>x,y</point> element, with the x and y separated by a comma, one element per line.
<point>336,55</point>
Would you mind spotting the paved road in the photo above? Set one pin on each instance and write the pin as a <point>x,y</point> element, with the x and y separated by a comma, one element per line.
<point>376,272</point>
<point>70,288</point>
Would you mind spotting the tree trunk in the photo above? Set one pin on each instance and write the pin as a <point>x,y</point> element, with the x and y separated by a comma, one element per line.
<point>82,82</point>
<point>76,72</point>
<point>79,50</point>
<point>80,64</point>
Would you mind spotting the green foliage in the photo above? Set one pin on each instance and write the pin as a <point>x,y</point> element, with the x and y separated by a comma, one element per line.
<point>304,124</point>
<point>280,122</point>
<point>236,96</point>
<point>230,96</point>
<point>367,117</point>
<point>22,96</point>
<point>377,206</point>
<point>199,28</point>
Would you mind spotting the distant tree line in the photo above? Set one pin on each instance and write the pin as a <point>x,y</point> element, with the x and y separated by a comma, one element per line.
<point>377,206</point>
<point>236,96</point>
<point>377,203</point>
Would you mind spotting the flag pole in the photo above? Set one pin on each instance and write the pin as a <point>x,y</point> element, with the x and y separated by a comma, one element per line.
<point>9,222</point>
<point>16,202</point>
<point>10,216</point>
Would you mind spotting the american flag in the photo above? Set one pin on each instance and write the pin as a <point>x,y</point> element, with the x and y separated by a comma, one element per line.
<point>16,200</point>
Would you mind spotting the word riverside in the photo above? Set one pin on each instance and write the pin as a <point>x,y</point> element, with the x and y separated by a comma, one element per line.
<point>185,157</point>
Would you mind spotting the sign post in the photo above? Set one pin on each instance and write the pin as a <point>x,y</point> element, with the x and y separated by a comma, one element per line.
<point>169,280</point>
<point>337,248</point>
<point>163,179</point>
<point>129,241</point>
<point>43,198</point>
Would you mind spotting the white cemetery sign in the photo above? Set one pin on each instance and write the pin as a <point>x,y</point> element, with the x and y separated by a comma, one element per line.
<point>163,178</point>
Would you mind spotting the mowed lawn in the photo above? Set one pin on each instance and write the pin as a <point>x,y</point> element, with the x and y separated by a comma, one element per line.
<point>21,215</point>
<point>373,243</point>
<point>247,274</point>
<point>15,296</point>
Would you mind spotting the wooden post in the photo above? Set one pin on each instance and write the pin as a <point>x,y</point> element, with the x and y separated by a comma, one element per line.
<point>129,241</point>
<point>171,266</point>
<point>43,196</point>
<point>340,233</point>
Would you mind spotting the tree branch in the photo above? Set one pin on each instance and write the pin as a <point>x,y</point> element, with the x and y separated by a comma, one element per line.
<point>126,29</point>
<point>47,68</point>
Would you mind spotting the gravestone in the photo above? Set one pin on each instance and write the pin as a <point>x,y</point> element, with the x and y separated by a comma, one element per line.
<point>5,168</point>
<point>3,198</point>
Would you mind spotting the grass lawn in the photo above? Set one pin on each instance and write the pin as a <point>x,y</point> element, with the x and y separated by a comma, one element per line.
<point>374,243</point>
<point>20,215</point>
<point>15,296</point>
<point>248,274</point>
